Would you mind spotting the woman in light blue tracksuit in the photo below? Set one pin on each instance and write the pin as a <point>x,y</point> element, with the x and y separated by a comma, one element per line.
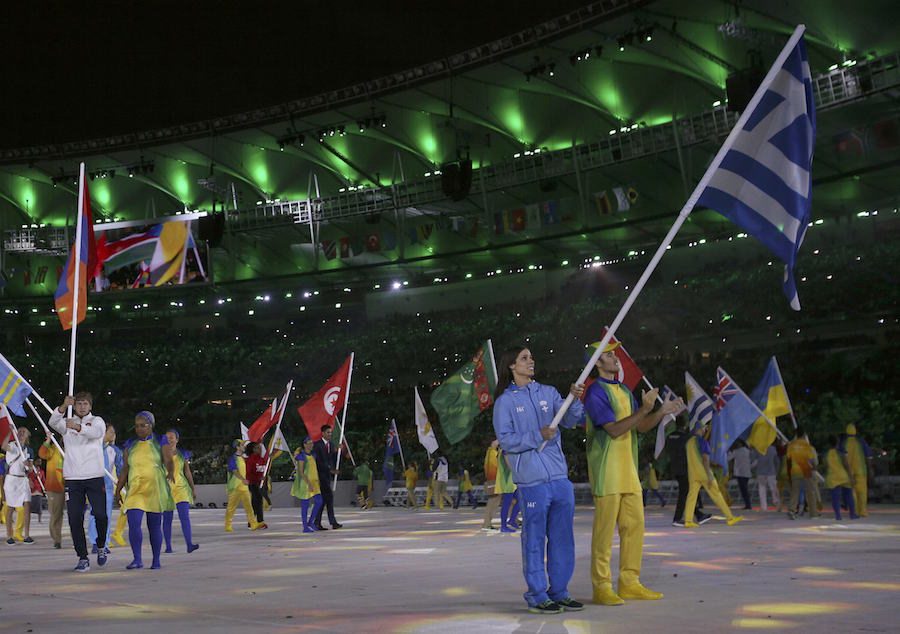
<point>523,410</point>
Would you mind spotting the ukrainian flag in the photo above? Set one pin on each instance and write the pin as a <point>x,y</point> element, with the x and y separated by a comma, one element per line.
<point>771,397</point>
<point>13,388</point>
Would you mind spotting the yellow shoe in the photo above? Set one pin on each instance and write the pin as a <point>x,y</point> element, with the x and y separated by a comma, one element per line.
<point>734,520</point>
<point>638,592</point>
<point>118,539</point>
<point>604,595</point>
<point>691,525</point>
<point>229,529</point>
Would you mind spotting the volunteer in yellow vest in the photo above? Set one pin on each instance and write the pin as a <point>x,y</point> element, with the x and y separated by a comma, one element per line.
<point>306,485</point>
<point>491,457</point>
<point>838,479</point>
<point>182,494</point>
<point>858,454</point>
<point>651,484</point>
<point>411,475</point>
<point>56,497</point>
<point>700,474</point>
<point>507,490</point>
<point>238,491</point>
<point>801,458</point>
<point>614,419</point>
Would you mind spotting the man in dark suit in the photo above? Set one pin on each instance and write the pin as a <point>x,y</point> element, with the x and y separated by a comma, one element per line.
<point>326,463</point>
<point>675,448</point>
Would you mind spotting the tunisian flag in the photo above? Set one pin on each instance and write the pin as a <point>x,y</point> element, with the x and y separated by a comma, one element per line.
<point>323,406</point>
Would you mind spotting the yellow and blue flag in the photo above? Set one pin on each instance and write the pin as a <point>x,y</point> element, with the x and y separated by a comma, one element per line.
<point>771,397</point>
<point>13,388</point>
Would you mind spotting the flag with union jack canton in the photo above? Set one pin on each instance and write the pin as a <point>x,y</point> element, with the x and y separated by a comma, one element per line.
<point>735,412</point>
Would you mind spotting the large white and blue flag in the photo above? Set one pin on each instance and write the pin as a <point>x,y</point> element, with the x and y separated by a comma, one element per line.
<point>700,407</point>
<point>763,183</point>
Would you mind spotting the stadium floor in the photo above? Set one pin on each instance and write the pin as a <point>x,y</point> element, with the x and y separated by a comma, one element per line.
<point>391,570</point>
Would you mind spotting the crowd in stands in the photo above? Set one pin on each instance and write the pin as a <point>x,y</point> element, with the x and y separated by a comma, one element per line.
<point>205,380</point>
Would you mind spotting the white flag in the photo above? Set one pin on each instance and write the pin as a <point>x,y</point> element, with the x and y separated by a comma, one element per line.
<point>280,443</point>
<point>245,433</point>
<point>621,199</point>
<point>423,427</point>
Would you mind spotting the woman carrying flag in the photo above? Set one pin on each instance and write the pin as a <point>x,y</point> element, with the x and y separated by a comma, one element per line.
<point>306,484</point>
<point>182,493</point>
<point>147,471</point>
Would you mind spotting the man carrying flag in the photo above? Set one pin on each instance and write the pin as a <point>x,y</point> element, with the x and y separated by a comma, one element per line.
<point>465,394</point>
<point>613,420</point>
<point>326,454</point>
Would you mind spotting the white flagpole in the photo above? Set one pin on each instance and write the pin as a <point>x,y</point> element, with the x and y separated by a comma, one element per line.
<point>397,434</point>
<point>682,216</point>
<point>187,239</point>
<point>762,414</point>
<point>281,408</point>
<point>781,380</point>
<point>79,229</point>
<point>493,362</point>
<point>337,466</point>
<point>15,434</point>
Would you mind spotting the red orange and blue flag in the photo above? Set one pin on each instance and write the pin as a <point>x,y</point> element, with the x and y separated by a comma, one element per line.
<point>84,259</point>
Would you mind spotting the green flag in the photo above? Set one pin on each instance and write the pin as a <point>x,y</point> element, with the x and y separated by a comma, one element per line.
<point>465,394</point>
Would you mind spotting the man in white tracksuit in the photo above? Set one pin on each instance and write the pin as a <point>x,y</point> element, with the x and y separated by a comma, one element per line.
<point>83,472</point>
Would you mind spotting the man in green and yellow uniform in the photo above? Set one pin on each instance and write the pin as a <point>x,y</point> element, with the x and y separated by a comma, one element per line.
<point>858,454</point>
<point>614,418</point>
<point>700,474</point>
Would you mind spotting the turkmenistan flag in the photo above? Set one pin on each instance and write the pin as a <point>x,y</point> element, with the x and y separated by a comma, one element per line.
<point>465,394</point>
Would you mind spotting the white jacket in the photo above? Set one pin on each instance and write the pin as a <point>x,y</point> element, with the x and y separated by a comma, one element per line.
<point>84,449</point>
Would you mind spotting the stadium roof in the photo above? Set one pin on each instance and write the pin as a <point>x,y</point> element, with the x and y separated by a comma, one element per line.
<point>551,107</point>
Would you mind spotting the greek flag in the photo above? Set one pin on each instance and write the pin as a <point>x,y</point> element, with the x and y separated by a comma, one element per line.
<point>763,183</point>
<point>700,407</point>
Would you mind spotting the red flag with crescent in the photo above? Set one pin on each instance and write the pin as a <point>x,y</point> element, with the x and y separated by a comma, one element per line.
<point>323,406</point>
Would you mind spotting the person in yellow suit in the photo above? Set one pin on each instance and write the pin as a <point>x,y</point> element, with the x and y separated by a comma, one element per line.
<point>411,475</point>
<point>838,479</point>
<point>801,459</point>
<point>56,496</point>
<point>858,455</point>
<point>701,475</point>
<point>238,491</point>
<point>613,422</point>
<point>507,490</point>
<point>306,485</point>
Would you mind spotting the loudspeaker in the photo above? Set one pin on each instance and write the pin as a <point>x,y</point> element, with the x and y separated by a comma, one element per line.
<point>456,179</point>
<point>740,86</point>
<point>211,228</point>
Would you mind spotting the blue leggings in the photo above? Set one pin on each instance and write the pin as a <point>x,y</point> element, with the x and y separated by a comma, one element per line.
<point>136,536</point>
<point>847,493</point>
<point>92,522</point>
<point>506,506</point>
<point>184,516</point>
<point>304,510</point>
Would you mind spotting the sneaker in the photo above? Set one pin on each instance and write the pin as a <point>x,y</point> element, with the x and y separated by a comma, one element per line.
<point>94,549</point>
<point>704,518</point>
<point>83,565</point>
<point>102,555</point>
<point>57,545</point>
<point>691,525</point>
<point>10,541</point>
<point>192,548</point>
<point>28,540</point>
<point>570,605</point>
<point>547,607</point>
<point>734,520</point>
<point>134,565</point>
<point>335,526</point>
<point>679,524</point>
<point>489,529</point>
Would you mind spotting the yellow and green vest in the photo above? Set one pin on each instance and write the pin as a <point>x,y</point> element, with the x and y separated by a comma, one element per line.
<point>613,462</point>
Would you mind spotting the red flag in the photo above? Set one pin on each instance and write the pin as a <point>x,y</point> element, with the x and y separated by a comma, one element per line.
<point>6,424</point>
<point>324,405</point>
<point>262,424</point>
<point>629,373</point>
<point>87,264</point>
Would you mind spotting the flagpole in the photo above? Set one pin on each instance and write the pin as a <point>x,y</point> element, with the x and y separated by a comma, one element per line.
<point>781,380</point>
<point>287,395</point>
<point>493,360</point>
<point>337,465</point>
<point>15,434</point>
<point>46,429</point>
<point>682,216</point>
<point>184,250</point>
<point>762,414</point>
<point>76,261</point>
<point>399,445</point>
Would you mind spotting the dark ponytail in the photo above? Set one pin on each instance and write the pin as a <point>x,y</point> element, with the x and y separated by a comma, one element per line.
<point>504,375</point>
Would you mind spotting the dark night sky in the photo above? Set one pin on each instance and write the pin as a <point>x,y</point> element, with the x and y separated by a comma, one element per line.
<point>76,70</point>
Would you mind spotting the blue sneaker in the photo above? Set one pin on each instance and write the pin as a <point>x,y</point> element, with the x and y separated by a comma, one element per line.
<point>83,565</point>
<point>101,556</point>
<point>94,549</point>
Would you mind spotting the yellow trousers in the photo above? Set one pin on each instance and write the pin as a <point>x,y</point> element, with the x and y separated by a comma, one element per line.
<point>714,494</point>
<point>411,497</point>
<point>3,513</point>
<point>625,510</point>
<point>429,493</point>
<point>239,496</point>
<point>121,524</point>
<point>861,495</point>
<point>19,528</point>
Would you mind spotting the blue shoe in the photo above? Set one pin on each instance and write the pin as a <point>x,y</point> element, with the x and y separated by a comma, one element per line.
<point>83,566</point>
<point>192,547</point>
<point>134,565</point>
<point>155,566</point>
<point>507,529</point>
<point>169,550</point>
<point>101,557</point>
<point>94,549</point>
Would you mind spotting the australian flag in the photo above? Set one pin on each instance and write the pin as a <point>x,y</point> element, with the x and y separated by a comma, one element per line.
<point>392,443</point>
<point>764,183</point>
